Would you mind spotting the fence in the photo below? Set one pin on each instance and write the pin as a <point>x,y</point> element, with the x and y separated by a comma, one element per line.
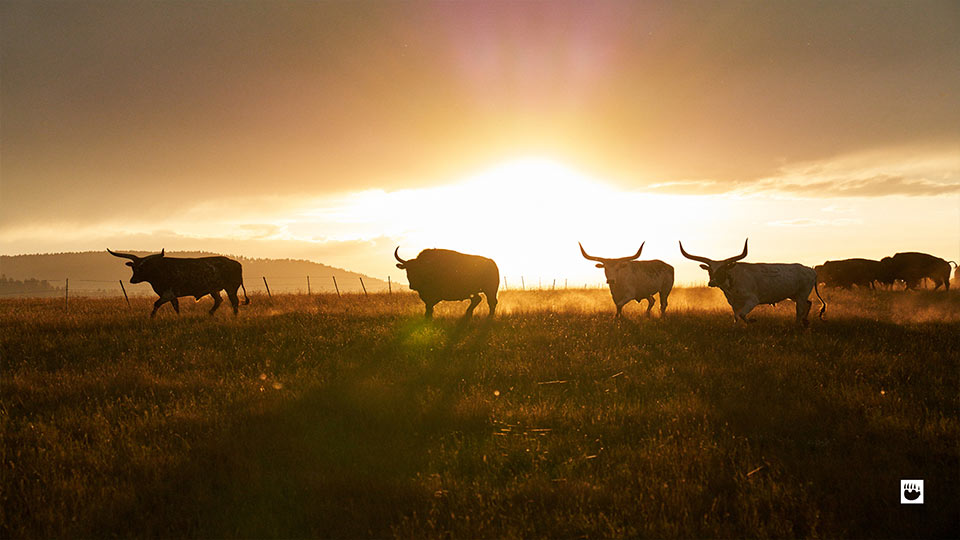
<point>272,284</point>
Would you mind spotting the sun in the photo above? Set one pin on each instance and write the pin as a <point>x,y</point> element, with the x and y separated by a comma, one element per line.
<point>527,214</point>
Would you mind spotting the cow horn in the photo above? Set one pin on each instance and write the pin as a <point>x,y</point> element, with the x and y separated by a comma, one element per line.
<point>633,257</point>
<point>694,257</point>
<point>123,255</point>
<point>397,255</point>
<point>590,257</point>
<point>738,257</point>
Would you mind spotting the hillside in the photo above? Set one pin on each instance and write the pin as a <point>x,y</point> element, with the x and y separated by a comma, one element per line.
<point>98,273</point>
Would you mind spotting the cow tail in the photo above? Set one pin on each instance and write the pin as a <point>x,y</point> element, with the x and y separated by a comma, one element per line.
<point>823,305</point>
<point>246,299</point>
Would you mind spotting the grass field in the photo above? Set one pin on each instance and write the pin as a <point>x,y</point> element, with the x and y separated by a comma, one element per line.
<point>354,417</point>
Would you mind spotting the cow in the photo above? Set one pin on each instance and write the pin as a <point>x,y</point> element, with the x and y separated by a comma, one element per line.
<point>912,268</point>
<point>443,274</point>
<point>849,272</point>
<point>173,277</point>
<point>745,285</point>
<point>630,279</point>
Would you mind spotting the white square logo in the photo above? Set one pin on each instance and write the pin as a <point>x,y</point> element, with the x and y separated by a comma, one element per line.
<point>911,492</point>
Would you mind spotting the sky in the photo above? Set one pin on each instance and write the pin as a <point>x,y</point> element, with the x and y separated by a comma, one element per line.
<point>336,131</point>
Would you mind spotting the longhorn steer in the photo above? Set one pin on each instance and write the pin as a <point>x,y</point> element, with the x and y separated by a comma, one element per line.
<point>745,285</point>
<point>173,277</point>
<point>630,279</point>
<point>442,274</point>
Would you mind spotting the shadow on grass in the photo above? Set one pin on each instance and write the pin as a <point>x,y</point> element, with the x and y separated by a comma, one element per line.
<point>342,460</point>
<point>346,458</point>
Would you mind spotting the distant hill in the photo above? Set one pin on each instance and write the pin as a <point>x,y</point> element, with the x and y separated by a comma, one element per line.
<point>99,273</point>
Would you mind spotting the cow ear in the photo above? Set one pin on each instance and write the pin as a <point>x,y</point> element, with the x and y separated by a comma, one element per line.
<point>130,264</point>
<point>705,267</point>
<point>599,265</point>
<point>400,266</point>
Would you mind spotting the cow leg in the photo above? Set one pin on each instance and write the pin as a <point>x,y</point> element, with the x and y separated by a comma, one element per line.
<point>649,305</point>
<point>217,300</point>
<point>663,304</point>
<point>429,312</point>
<point>746,308</point>
<point>803,310</point>
<point>474,302</point>
<point>156,305</point>
<point>164,298</point>
<point>620,310</point>
<point>234,301</point>
<point>491,303</point>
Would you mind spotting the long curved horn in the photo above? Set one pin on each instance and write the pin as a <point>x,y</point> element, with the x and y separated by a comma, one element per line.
<point>738,257</point>
<point>590,257</point>
<point>694,257</point>
<point>123,255</point>
<point>396,254</point>
<point>624,259</point>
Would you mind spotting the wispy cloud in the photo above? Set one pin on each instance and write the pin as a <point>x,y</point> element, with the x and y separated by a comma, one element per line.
<point>807,222</point>
<point>900,172</point>
<point>895,172</point>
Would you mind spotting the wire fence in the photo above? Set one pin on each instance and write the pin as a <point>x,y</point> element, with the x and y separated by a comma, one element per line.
<point>270,285</point>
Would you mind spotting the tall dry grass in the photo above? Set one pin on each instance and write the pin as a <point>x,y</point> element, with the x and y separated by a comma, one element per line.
<point>354,417</point>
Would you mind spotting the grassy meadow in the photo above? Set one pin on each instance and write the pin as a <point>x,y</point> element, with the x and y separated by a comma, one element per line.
<point>354,417</point>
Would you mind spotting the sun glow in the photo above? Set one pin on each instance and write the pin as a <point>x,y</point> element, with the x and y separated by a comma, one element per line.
<point>527,214</point>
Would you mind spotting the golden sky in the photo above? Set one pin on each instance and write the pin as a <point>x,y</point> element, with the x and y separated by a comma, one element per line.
<point>334,131</point>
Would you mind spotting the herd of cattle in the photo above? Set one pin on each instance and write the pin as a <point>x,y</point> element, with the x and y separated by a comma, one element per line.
<point>442,274</point>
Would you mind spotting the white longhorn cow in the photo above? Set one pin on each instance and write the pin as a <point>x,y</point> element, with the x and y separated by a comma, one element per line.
<point>748,284</point>
<point>635,280</point>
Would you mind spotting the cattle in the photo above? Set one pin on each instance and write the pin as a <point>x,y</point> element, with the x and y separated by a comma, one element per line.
<point>913,267</point>
<point>173,277</point>
<point>630,279</point>
<point>745,285</point>
<point>849,272</point>
<point>443,274</point>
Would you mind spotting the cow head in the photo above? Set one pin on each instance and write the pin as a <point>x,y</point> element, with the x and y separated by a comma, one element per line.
<point>140,265</point>
<point>719,271</point>
<point>612,268</point>
<point>412,268</point>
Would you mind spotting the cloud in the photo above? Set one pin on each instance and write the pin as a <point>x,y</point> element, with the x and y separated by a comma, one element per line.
<point>806,222</point>
<point>903,172</point>
<point>878,186</point>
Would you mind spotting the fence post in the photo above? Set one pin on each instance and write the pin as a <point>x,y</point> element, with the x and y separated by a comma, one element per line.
<point>389,286</point>
<point>564,283</point>
<point>127,298</point>
<point>523,286</point>
<point>554,286</point>
<point>336,287</point>
<point>66,294</point>
<point>505,285</point>
<point>364,287</point>
<point>308,285</point>
<point>267,286</point>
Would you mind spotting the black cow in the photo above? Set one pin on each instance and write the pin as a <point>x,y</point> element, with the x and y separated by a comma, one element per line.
<point>172,278</point>
<point>442,274</point>
<point>849,272</point>
<point>912,268</point>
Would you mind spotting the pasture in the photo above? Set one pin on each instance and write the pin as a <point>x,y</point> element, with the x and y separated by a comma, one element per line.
<point>354,417</point>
